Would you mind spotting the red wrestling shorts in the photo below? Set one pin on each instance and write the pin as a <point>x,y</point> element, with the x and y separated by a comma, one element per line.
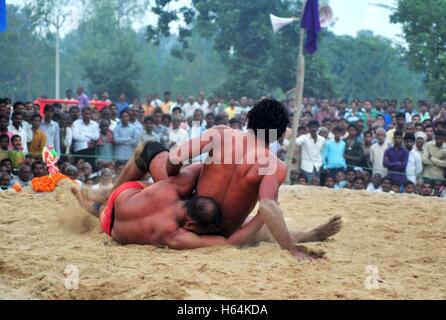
<point>107,216</point>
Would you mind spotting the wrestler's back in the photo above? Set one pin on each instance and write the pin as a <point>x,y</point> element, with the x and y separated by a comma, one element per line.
<point>235,187</point>
<point>146,217</point>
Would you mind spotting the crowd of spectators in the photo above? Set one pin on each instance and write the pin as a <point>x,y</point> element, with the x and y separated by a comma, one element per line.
<point>378,146</point>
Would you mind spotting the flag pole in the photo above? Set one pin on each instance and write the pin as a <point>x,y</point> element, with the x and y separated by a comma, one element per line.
<point>300,79</point>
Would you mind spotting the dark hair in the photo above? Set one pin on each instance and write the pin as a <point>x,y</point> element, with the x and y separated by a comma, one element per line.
<point>440,133</point>
<point>301,176</point>
<point>148,118</point>
<point>15,137</point>
<point>398,134</point>
<point>74,107</point>
<point>16,113</point>
<point>400,115</point>
<point>205,212</point>
<point>16,104</point>
<point>352,126</point>
<point>36,115</point>
<point>48,108</point>
<point>409,137</point>
<point>210,114</point>
<point>408,183</point>
<point>4,136</point>
<point>177,108</point>
<point>167,116</point>
<point>313,123</point>
<point>268,114</point>
<point>124,111</point>
<point>388,179</point>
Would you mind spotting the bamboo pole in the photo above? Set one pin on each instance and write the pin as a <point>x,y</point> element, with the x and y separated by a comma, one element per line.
<point>300,81</point>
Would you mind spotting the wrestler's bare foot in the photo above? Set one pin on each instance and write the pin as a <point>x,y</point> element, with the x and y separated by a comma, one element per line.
<point>84,202</point>
<point>326,230</point>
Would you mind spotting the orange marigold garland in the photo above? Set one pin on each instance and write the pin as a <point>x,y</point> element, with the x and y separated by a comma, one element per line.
<point>47,183</point>
<point>17,187</point>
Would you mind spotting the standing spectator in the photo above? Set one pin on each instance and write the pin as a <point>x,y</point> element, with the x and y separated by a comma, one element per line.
<point>105,181</point>
<point>177,135</point>
<point>166,105</point>
<point>84,102</point>
<point>51,129</point>
<point>377,153</point>
<point>333,154</point>
<point>429,131</point>
<point>148,106</point>
<point>311,151</point>
<point>134,122</point>
<point>395,159</point>
<point>126,138</point>
<point>105,144</point>
<point>159,129</point>
<point>66,134</point>
<point>149,134</point>
<point>354,114</point>
<point>4,146</point>
<point>420,138</point>
<point>39,138</point>
<point>190,107</point>
<point>198,126</point>
<point>122,103</point>
<point>4,122</point>
<point>17,128</point>
<point>424,112</point>
<point>210,120</point>
<point>204,104</point>
<point>75,113</point>
<point>414,167</point>
<point>85,135</point>
<point>231,110</point>
<point>434,157</point>
<point>354,152</point>
<point>400,126</point>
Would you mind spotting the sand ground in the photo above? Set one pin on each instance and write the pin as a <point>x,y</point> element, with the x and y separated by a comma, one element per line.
<point>401,237</point>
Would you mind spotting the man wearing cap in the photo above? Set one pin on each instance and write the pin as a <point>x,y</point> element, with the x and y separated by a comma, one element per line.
<point>434,157</point>
<point>420,141</point>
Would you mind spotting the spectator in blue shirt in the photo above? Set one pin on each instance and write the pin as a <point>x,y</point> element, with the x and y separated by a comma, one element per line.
<point>333,154</point>
<point>122,104</point>
<point>126,138</point>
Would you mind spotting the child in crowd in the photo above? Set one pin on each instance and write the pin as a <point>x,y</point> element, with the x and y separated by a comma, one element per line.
<point>16,155</point>
<point>4,146</point>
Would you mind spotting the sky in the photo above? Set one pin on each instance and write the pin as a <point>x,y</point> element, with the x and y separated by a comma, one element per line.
<point>351,16</point>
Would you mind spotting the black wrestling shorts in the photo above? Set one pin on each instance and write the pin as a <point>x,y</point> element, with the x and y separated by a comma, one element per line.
<point>145,153</point>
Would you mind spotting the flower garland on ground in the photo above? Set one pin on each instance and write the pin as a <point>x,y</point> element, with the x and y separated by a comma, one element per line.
<point>47,183</point>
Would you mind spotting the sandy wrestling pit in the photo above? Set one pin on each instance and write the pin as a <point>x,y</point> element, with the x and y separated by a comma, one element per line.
<point>403,237</point>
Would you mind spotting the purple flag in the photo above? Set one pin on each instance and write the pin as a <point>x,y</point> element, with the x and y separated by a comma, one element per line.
<point>311,23</point>
<point>3,22</point>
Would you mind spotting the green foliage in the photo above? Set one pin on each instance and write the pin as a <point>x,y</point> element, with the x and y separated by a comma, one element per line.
<point>260,61</point>
<point>424,27</point>
<point>368,66</point>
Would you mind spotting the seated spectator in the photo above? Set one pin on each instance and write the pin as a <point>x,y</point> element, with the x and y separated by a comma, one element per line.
<point>73,173</point>
<point>350,176</point>
<point>105,181</point>
<point>341,182</point>
<point>386,184</point>
<point>409,187</point>
<point>426,189</point>
<point>375,184</point>
<point>302,180</point>
<point>330,182</point>
<point>396,187</point>
<point>38,169</point>
<point>235,124</point>
<point>24,175</point>
<point>359,184</point>
<point>5,181</point>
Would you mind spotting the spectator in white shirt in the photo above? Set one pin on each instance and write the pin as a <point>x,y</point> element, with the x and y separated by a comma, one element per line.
<point>377,153</point>
<point>177,135</point>
<point>375,185</point>
<point>51,129</point>
<point>311,145</point>
<point>17,128</point>
<point>105,181</point>
<point>85,135</point>
<point>190,107</point>
<point>414,168</point>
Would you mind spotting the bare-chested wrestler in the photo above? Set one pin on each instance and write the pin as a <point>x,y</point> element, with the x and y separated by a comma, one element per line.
<point>165,214</point>
<point>236,185</point>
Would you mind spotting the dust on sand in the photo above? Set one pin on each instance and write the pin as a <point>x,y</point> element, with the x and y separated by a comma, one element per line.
<point>402,236</point>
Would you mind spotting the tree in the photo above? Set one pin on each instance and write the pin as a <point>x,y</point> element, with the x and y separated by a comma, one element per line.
<point>257,61</point>
<point>424,27</point>
<point>368,66</point>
